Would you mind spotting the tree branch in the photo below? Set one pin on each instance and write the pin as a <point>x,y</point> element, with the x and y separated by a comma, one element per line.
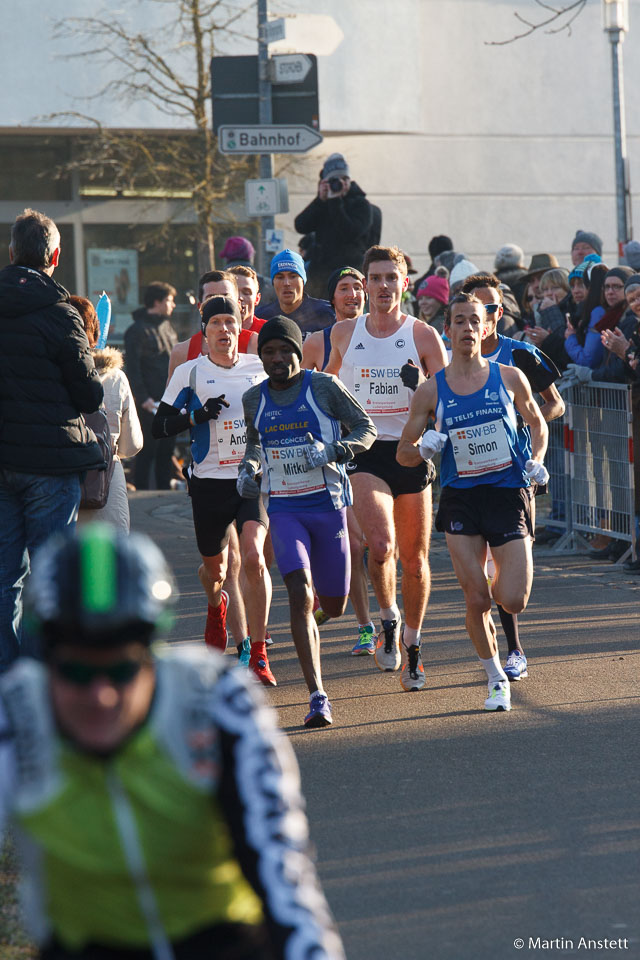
<point>569,11</point>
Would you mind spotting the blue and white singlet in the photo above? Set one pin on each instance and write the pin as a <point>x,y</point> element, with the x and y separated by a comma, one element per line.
<point>483,446</point>
<point>283,431</point>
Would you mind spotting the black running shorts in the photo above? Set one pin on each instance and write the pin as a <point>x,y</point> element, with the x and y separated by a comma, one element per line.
<point>216,504</point>
<point>380,461</point>
<point>498,514</point>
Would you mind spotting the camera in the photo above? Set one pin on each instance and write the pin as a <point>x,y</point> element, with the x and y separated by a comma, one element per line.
<point>335,184</point>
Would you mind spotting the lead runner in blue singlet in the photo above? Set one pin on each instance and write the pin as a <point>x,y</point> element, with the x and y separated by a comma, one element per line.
<point>485,476</point>
<point>294,426</point>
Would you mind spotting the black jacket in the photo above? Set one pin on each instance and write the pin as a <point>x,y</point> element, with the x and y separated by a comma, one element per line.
<point>148,342</point>
<point>47,378</point>
<point>341,226</point>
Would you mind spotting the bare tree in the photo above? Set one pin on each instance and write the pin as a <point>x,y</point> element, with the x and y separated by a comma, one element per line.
<point>168,68</point>
<point>556,19</point>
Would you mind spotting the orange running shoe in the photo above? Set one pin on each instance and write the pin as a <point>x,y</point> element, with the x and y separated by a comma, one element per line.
<point>259,663</point>
<point>215,631</point>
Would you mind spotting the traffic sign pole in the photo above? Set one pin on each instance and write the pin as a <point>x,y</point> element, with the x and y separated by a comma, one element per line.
<point>265,113</point>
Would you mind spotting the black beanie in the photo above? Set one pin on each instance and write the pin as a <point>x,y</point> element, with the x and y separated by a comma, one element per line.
<point>281,328</point>
<point>337,276</point>
<point>215,306</point>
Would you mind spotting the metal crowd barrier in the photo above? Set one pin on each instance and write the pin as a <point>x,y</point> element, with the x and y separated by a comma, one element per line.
<point>595,490</point>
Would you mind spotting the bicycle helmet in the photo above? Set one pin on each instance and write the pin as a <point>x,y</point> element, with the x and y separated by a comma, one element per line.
<point>98,588</point>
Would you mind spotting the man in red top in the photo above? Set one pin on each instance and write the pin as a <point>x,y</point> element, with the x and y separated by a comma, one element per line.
<point>248,297</point>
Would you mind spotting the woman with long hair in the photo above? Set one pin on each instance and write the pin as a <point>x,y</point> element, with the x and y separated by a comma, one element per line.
<point>582,341</point>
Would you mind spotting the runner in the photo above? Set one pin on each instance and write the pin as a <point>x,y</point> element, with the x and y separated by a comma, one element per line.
<point>346,295</point>
<point>214,283</point>
<point>248,298</point>
<point>392,503</point>
<point>158,804</point>
<point>294,422</point>
<point>217,446</point>
<point>485,477</point>
<point>541,372</point>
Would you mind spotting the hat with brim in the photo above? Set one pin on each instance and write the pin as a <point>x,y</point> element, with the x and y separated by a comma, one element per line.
<point>540,263</point>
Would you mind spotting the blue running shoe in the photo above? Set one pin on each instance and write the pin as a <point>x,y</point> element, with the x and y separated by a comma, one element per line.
<point>319,711</point>
<point>516,666</point>
<point>245,652</point>
<point>366,642</point>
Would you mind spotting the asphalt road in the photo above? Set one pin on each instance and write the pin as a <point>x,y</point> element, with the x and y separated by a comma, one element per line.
<point>444,832</point>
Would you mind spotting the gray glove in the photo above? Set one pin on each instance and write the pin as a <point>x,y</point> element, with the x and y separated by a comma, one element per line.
<point>246,484</point>
<point>316,454</point>
<point>582,374</point>
<point>432,442</point>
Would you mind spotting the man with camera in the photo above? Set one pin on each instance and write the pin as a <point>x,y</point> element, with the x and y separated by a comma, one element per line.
<point>342,220</point>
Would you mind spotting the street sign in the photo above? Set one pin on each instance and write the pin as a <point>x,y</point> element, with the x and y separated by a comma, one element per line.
<point>265,198</point>
<point>274,240</point>
<point>274,30</point>
<point>272,138</point>
<point>235,100</point>
<point>290,68</point>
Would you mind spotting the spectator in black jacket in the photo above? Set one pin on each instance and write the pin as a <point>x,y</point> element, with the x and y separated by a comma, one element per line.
<point>341,218</point>
<point>148,344</point>
<point>47,379</point>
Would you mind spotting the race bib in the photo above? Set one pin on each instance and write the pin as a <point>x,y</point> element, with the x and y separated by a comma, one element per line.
<point>232,439</point>
<point>380,390</point>
<point>482,448</point>
<point>287,475</point>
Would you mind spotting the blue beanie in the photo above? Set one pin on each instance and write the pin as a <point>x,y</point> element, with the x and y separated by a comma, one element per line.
<point>288,260</point>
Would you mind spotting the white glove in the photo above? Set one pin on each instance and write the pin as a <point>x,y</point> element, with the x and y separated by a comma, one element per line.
<point>246,484</point>
<point>432,442</point>
<point>315,453</point>
<point>582,374</point>
<point>536,471</point>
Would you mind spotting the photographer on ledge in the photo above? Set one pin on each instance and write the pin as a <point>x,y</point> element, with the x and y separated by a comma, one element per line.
<point>343,221</point>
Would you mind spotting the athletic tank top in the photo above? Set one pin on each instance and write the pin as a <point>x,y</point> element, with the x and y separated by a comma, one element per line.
<point>283,432</point>
<point>483,445</point>
<point>371,371</point>
<point>326,335</point>
<point>195,346</point>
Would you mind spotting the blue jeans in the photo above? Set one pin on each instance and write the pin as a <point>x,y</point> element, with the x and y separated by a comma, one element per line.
<point>31,508</point>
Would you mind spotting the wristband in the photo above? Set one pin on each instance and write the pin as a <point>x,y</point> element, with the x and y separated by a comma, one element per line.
<point>191,419</point>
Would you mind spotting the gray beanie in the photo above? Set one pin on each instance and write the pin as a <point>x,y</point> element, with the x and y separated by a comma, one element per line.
<point>335,166</point>
<point>583,236</point>
<point>509,256</point>
<point>632,254</point>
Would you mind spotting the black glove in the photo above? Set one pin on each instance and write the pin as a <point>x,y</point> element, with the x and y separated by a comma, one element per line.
<point>210,410</point>
<point>411,375</point>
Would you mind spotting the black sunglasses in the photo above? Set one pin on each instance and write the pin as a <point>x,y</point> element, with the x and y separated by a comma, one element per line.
<point>83,674</point>
<point>491,307</point>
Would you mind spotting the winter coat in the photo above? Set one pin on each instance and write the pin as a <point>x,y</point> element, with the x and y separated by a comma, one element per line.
<point>341,226</point>
<point>148,343</point>
<point>47,378</point>
<point>126,436</point>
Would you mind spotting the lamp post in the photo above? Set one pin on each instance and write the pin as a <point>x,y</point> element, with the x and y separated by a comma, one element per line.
<point>616,23</point>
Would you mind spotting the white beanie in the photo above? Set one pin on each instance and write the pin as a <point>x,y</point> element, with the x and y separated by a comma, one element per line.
<point>462,270</point>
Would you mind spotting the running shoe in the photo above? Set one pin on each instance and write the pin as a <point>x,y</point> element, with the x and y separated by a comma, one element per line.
<point>268,639</point>
<point>499,696</point>
<point>259,663</point>
<point>387,655</point>
<point>319,711</point>
<point>215,631</point>
<point>366,642</point>
<point>318,613</point>
<point>412,676</point>
<point>244,652</point>
<point>516,666</point>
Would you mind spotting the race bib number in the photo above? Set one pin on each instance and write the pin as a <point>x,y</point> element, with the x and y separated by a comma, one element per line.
<point>287,474</point>
<point>380,390</point>
<point>232,439</point>
<point>482,448</point>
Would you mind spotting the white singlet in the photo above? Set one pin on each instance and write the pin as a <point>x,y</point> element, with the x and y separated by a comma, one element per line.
<point>371,372</point>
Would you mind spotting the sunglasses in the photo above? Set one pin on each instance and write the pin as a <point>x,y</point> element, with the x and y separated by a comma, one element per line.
<point>491,307</point>
<point>83,674</point>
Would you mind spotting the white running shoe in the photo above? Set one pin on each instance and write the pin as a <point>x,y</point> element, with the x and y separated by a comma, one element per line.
<point>412,676</point>
<point>387,656</point>
<point>499,696</point>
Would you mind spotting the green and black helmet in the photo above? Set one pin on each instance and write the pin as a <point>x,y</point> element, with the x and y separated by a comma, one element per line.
<point>99,588</point>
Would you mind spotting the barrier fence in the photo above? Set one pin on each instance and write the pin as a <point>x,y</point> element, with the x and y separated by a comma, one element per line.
<point>590,462</point>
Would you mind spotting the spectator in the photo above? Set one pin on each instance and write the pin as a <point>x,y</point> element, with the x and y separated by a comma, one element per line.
<point>583,244</point>
<point>124,425</point>
<point>47,379</point>
<point>148,343</point>
<point>583,342</point>
<point>289,278</point>
<point>433,297</point>
<point>342,220</point>
<point>614,301</point>
<point>556,306</point>
<point>462,269</point>
<point>632,254</point>
<point>437,245</point>
<point>509,268</point>
<point>240,252</point>
<point>540,263</point>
